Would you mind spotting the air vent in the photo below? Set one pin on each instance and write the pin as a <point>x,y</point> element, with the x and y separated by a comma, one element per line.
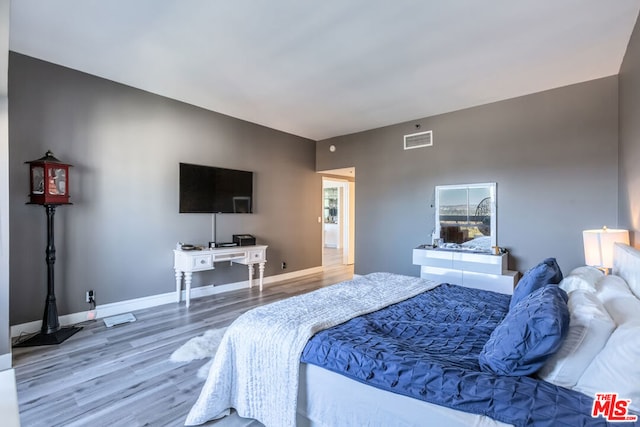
<point>418,140</point>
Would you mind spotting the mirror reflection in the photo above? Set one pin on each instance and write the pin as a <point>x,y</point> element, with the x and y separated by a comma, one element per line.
<point>331,205</point>
<point>466,217</point>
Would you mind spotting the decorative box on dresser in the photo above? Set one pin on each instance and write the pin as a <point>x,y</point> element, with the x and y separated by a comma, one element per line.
<point>470,269</point>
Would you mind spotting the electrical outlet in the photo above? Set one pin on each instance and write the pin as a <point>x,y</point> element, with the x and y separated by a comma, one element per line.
<point>90,296</point>
<point>284,265</point>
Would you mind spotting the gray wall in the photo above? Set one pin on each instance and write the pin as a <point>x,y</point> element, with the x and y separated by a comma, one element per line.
<point>553,154</point>
<point>5,344</point>
<point>125,145</point>
<point>629,81</point>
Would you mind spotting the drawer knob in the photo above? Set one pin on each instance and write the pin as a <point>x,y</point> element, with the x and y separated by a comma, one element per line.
<point>202,261</point>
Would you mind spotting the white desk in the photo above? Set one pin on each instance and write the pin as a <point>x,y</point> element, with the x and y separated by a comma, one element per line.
<point>473,270</point>
<point>187,262</point>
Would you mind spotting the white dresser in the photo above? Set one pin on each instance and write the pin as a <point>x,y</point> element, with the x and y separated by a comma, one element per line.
<point>473,270</point>
<point>188,262</point>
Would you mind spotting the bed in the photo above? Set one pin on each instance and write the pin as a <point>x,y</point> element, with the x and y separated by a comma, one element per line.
<point>386,349</point>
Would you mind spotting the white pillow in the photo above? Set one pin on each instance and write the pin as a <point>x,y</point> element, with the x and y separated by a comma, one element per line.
<point>626,264</point>
<point>584,277</point>
<point>621,304</point>
<point>592,274</point>
<point>612,287</point>
<point>589,329</point>
<point>616,369</point>
<point>624,310</point>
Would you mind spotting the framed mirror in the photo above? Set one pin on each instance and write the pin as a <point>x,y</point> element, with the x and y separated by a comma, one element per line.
<point>466,216</point>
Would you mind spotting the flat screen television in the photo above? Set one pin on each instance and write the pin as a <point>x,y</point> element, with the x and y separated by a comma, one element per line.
<point>207,189</point>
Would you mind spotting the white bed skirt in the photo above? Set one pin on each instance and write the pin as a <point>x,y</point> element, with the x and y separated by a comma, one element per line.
<point>327,399</point>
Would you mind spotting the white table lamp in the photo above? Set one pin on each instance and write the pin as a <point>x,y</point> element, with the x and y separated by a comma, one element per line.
<point>598,246</point>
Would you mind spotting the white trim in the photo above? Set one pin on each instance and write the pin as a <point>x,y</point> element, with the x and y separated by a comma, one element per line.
<point>346,205</point>
<point>5,361</point>
<point>5,345</point>
<point>293,275</point>
<point>120,307</point>
<point>9,401</point>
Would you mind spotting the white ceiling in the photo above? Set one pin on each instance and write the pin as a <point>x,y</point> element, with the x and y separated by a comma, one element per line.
<point>331,67</point>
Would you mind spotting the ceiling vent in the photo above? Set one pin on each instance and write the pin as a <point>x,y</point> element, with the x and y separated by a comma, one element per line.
<point>418,140</point>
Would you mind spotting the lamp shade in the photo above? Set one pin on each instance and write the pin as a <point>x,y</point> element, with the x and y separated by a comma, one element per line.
<point>598,245</point>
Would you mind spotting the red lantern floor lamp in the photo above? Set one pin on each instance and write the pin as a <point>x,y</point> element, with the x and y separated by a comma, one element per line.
<point>49,183</point>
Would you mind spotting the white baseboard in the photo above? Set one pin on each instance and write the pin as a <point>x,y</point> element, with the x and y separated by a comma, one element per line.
<point>120,307</point>
<point>292,275</point>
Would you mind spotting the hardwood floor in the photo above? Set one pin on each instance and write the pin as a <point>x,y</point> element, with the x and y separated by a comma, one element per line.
<point>122,376</point>
<point>331,257</point>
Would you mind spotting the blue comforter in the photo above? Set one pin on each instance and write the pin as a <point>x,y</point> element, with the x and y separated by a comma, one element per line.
<point>427,347</point>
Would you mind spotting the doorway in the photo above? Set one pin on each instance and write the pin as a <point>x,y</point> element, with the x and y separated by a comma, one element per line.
<point>338,217</point>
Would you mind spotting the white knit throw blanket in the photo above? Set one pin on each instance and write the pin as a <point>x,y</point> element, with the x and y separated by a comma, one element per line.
<point>256,367</point>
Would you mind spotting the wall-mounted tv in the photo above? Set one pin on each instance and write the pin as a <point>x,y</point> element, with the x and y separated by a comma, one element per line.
<point>207,189</point>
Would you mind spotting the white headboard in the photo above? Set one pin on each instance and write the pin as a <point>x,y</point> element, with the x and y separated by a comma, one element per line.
<point>626,264</point>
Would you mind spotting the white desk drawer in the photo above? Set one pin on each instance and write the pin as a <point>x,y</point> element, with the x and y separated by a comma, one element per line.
<point>229,256</point>
<point>201,262</point>
<point>255,256</point>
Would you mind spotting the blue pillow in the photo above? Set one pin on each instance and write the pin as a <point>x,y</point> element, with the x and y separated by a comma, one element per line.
<point>548,271</point>
<point>529,334</point>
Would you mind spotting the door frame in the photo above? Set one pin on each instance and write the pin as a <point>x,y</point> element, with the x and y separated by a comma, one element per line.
<point>346,214</point>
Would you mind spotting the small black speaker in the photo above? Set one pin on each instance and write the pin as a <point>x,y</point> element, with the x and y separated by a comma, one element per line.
<point>244,239</point>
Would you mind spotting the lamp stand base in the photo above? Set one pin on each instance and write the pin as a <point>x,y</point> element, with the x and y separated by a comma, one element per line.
<point>49,339</point>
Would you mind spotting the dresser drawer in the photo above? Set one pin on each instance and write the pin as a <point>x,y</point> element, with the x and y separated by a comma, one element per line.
<point>503,283</point>
<point>433,258</point>
<point>480,263</point>
<point>441,275</point>
<point>201,262</point>
<point>256,256</point>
